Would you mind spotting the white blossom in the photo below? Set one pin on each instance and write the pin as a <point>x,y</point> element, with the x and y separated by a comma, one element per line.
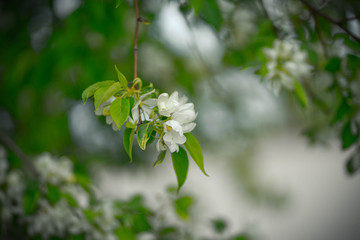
<point>104,109</point>
<point>182,116</point>
<point>78,193</point>
<point>13,195</point>
<point>53,170</point>
<point>174,135</point>
<point>286,63</point>
<point>169,104</point>
<point>185,115</point>
<point>146,104</point>
<point>57,220</point>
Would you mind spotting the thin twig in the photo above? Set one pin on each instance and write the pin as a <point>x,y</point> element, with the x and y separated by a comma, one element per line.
<point>138,20</point>
<point>321,37</point>
<point>348,19</point>
<point>337,23</point>
<point>8,142</point>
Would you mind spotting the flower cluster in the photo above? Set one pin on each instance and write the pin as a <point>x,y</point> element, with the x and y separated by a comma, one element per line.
<point>54,171</point>
<point>181,116</point>
<point>286,64</point>
<point>149,116</point>
<point>61,212</point>
<point>173,114</point>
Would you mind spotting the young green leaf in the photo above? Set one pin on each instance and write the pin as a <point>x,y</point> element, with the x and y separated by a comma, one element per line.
<point>181,166</point>
<point>353,163</point>
<point>122,78</point>
<point>193,147</point>
<point>143,135</point>
<point>124,233</point>
<point>334,65</point>
<point>128,141</point>
<point>119,111</point>
<point>88,92</point>
<point>348,137</point>
<point>182,206</point>
<point>70,199</point>
<point>211,13</point>
<point>343,110</point>
<point>300,94</point>
<point>160,158</point>
<point>130,125</point>
<point>197,4</point>
<point>31,197</point>
<point>53,194</point>
<point>105,93</point>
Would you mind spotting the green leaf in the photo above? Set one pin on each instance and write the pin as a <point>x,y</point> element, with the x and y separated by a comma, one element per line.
<point>160,158</point>
<point>193,147</point>
<point>78,237</point>
<point>210,12</point>
<point>128,141</point>
<point>151,138</point>
<point>143,135</point>
<point>119,110</point>
<point>53,194</point>
<point>104,93</point>
<point>181,166</point>
<point>124,233</point>
<point>182,207</point>
<point>70,199</point>
<point>122,78</point>
<point>141,223</point>
<point>91,215</point>
<point>31,197</point>
<point>334,65</point>
<point>219,225</point>
<point>88,92</point>
<point>347,136</point>
<point>343,110</point>
<point>353,163</point>
<point>130,125</point>
<point>118,2</point>
<point>197,4</point>
<point>300,94</point>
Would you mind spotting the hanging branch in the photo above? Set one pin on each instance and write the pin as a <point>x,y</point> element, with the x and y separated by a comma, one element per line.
<point>138,20</point>
<point>8,142</point>
<point>315,11</point>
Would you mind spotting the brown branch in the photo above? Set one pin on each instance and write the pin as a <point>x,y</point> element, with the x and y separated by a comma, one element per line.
<point>8,142</point>
<point>333,21</point>
<point>138,20</point>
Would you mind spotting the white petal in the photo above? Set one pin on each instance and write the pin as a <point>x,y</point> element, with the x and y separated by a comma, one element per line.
<point>114,126</point>
<point>189,127</point>
<point>160,146</point>
<point>109,119</point>
<point>146,94</point>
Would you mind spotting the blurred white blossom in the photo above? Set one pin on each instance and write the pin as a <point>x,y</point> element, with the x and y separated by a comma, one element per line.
<point>53,170</point>
<point>57,220</point>
<point>286,64</point>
